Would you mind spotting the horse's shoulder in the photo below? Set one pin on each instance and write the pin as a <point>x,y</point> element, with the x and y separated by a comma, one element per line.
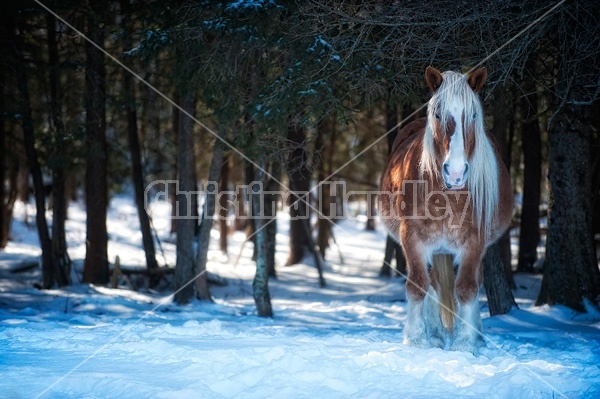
<point>409,131</point>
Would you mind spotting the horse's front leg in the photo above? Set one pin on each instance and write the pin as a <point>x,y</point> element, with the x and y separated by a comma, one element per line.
<point>468,332</point>
<point>423,324</point>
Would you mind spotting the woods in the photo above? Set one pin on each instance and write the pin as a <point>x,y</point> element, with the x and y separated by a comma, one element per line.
<point>300,94</point>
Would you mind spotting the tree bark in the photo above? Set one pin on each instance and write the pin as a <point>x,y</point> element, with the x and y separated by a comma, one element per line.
<point>500,130</point>
<point>529,236</point>
<point>326,138</point>
<point>137,173</point>
<point>393,250</point>
<point>299,177</point>
<point>260,284</point>
<point>96,185</point>
<point>271,198</point>
<point>186,222</point>
<point>240,218</point>
<point>371,212</point>
<point>202,289</point>
<point>224,204</point>
<point>32,160</point>
<point>596,172</point>
<point>499,295</point>
<point>324,224</point>
<point>176,121</point>
<point>571,270</point>
<point>4,217</point>
<point>60,256</point>
<point>249,178</point>
<point>8,205</point>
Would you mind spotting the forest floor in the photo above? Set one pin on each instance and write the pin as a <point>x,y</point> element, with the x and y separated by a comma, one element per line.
<point>341,341</point>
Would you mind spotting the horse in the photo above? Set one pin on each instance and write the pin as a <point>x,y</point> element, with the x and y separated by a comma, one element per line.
<point>445,195</point>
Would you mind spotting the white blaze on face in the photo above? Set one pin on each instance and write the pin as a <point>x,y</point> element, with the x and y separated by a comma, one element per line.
<point>455,164</point>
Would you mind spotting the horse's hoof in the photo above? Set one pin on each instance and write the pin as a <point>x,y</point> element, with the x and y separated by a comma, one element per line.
<point>436,342</point>
<point>425,342</point>
<point>464,346</point>
<point>419,342</point>
<point>480,342</point>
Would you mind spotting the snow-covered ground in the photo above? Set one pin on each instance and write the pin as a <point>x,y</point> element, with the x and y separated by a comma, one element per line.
<point>342,341</point>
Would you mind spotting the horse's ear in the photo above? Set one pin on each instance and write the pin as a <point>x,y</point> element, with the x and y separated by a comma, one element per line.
<point>477,79</point>
<point>434,78</point>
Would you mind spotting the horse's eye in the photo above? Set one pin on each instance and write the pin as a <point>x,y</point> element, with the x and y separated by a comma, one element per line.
<point>437,116</point>
<point>475,115</point>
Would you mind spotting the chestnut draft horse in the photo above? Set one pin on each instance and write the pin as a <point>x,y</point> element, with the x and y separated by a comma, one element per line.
<point>445,195</point>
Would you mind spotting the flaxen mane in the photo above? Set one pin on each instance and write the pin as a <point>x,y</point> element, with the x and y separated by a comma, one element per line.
<point>483,170</point>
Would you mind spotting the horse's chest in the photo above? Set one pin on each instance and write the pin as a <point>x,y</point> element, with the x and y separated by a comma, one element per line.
<point>447,231</point>
<point>434,209</point>
<point>440,242</point>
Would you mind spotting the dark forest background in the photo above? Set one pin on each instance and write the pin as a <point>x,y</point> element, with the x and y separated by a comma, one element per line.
<point>296,89</point>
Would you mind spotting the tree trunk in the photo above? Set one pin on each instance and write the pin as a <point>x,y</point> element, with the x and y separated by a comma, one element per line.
<point>202,289</point>
<point>502,126</point>
<point>8,206</point>
<point>72,111</point>
<point>176,131</point>
<point>240,218</point>
<point>326,138</point>
<point>224,204</point>
<point>4,217</point>
<point>249,178</point>
<point>596,171</point>
<point>186,223</point>
<point>136,155</point>
<point>299,177</point>
<point>23,188</point>
<point>529,237</point>
<point>96,186</point>
<point>60,256</point>
<point>61,260</point>
<point>499,295</point>
<point>393,250</point>
<point>324,224</point>
<point>371,211</point>
<point>571,270</point>
<point>32,160</point>
<point>271,198</point>
<point>260,285</point>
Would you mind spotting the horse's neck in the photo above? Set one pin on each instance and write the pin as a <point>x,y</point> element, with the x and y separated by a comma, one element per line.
<point>484,185</point>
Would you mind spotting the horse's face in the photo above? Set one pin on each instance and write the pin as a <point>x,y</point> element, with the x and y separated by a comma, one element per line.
<point>452,121</point>
<point>454,142</point>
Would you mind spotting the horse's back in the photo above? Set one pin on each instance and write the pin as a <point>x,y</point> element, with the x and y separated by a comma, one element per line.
<point>409,132</point>
<point>402,154</point>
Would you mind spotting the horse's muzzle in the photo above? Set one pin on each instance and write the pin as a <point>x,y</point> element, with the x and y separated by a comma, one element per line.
<point>455,179</point>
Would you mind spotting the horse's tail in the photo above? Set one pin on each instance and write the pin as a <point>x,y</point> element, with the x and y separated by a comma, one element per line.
<point>444,264</point>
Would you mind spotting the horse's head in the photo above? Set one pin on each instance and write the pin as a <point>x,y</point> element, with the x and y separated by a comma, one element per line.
<point>454,114</point>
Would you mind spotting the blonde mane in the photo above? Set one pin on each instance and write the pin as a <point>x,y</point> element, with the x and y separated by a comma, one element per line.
<point>483,167</point>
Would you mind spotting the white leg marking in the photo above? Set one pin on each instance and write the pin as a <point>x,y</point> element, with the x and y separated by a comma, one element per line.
<point>424,328</point>
<point>414,329</point>
<point>468,328</point>
<point>435,330</point>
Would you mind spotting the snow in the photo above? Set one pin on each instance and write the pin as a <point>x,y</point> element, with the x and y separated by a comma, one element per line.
<point>341,341</point>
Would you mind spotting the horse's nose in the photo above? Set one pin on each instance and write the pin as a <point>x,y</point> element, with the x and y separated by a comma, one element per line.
<point>455,176</point>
